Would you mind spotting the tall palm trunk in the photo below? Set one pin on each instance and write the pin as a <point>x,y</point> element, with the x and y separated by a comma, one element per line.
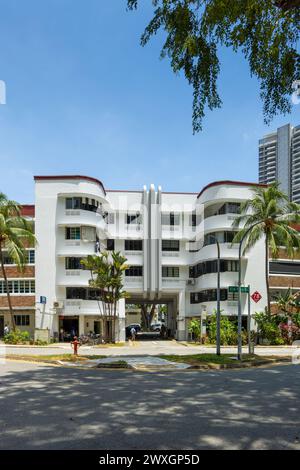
<point>7,290</point>
<point>267,273</point>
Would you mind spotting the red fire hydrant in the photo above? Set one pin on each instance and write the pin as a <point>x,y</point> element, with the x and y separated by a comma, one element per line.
<point>75,343</point>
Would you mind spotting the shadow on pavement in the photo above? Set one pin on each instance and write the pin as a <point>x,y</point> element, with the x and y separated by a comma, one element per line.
<point>56,408</point>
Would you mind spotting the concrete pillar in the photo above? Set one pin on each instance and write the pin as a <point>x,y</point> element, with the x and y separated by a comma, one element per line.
<point>181,324</point>
<point>81,325</point>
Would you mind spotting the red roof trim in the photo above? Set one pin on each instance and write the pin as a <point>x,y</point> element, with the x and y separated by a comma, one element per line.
<point>70,177</point>
<point>28,210</point>
<point>232,183</point>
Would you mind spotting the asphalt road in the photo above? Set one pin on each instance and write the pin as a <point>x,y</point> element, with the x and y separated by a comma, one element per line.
<point>43,407</point>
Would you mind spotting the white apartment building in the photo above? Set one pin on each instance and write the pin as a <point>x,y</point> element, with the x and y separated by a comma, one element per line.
<point>169,240</point>
<point>279,160</point>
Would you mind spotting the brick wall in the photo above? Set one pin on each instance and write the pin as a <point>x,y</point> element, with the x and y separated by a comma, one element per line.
<point>18,301</point>
<point>285,281</point>
<point>13,272</point>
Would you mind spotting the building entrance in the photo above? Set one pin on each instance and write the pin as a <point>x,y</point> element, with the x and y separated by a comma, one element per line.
<point>68,328</point>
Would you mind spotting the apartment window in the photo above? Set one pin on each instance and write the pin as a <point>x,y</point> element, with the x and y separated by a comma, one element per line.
<point>22,320</point>
<point>76,293</point>
<point>170,245</point>
<point>18,286</point>
<point>209,295</point>
<point>110,244</point>
<point>134,271</point>
<point>209,267</point>
<point>193,220</point>
<point>73,203</point>
<point>170,219</point>
<point>73,233</point>
<point>85,204</point>
<point>29,258</point>
<point>133,218</point>
<point>222,237</point>
<point>133,245</point>
<point>285,267</point>
<point>73,263</point>
<point>88,234</point>
<point>170,271</point>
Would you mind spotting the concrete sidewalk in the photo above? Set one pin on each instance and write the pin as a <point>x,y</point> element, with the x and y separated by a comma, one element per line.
<point>139,348</point>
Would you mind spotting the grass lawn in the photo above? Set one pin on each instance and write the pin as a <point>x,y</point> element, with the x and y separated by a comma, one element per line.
<point>213,359</point>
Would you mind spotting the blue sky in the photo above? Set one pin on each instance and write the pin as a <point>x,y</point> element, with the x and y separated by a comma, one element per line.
<point>83,97</point>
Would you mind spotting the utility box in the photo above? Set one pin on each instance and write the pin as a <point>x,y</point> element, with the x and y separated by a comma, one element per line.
<point>42,335</point>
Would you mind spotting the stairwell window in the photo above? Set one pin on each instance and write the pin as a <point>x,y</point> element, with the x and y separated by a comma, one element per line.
<point>133,218</point>
<point>171,219</point>
<point>170,271</point>
<point>133,245</point>
<point>170,245</point>
<point>134,271</point>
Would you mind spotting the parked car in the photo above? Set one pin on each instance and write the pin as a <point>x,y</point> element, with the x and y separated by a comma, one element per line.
<point>156,327</point>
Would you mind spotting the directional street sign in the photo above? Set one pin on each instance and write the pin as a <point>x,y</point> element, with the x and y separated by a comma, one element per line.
<point>256,296</point>
<point>235,289</point>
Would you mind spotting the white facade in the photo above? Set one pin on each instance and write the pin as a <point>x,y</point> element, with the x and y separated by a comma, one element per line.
<point>166,237</point>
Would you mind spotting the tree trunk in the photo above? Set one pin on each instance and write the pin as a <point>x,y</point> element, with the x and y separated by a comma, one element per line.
<point>7,290</point>
<point>267,274</point>
<point>152,311</point>
<point>287,4</point>
<point>144,315</point>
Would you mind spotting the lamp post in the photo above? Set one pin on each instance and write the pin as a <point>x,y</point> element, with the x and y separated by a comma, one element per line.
<point>239,292</point>
<point>218,332</point>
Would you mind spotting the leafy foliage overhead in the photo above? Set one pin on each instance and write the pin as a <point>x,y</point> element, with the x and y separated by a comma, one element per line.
<point>266,32</point>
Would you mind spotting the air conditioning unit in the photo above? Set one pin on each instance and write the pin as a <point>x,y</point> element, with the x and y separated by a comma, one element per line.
<point>58,304</point>
<point>190,282</point>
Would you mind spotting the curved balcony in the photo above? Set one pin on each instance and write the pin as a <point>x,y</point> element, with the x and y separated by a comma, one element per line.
<point>73,277</point>
<point>228,308</point>
<point>75,217</point>
<point>210,252</point>
<point>75,248</point>
<point>222,192</point>
<point>216,223</point>
<point>209,281</point>
<point>83,307</point>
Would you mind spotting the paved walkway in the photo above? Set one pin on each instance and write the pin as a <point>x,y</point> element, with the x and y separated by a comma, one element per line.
<point>140,348</point>
<point>46,407</point>
<point>136,362</point>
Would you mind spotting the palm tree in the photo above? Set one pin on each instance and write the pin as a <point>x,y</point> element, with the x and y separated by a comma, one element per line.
<point>107,277</point>
<point>15,232</point>
<point>271,216</point>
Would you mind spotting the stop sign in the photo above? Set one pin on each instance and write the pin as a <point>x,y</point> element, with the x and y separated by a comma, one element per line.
<point>256,297</point>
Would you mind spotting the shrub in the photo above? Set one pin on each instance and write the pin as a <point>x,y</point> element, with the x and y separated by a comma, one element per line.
<point>229,335</point>
<point>290,332</point>
<point>268,328</point>
<point>17,337</point>
<point>195,329</point>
